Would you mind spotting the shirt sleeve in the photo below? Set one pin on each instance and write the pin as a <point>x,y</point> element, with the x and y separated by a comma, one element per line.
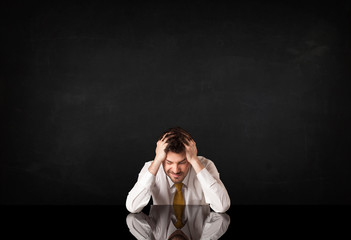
<point>214,190</point>
<point>140,194</point>
<point>215,225</point>
<point>139,226</point>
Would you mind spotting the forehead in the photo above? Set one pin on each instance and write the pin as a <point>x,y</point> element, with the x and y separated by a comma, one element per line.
<point>175,157</point>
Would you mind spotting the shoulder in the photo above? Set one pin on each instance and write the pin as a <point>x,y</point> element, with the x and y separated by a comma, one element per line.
<point>146,166</point>
<point>209,165</point>
<point>205,161</point>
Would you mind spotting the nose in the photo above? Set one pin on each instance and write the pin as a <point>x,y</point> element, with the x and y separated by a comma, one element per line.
<point>175,168</point>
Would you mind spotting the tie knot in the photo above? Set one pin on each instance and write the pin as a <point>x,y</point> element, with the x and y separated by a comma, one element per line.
<point>178,186</point>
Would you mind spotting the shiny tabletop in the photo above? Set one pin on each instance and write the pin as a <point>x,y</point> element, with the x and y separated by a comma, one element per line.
<point>157,222</point>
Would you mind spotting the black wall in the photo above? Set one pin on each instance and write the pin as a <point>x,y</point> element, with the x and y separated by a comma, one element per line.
<point>87,88</point>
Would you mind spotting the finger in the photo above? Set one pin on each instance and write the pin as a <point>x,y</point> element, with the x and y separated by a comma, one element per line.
<point>187,137</point>
<point>168,136</point>
<point>191,144</point>
<point>165,136</point>
<point>186,142</point>
<point>186,134</point>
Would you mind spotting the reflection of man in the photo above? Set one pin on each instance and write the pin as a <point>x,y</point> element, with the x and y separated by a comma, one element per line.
<point>177,176</point>
<point>198,223</point>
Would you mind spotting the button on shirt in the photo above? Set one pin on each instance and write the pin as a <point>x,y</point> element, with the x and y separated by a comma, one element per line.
<point>198,189</point>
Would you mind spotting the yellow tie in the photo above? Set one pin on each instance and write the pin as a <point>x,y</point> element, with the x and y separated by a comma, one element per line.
<point>178,205</point>
<point>178,197</point>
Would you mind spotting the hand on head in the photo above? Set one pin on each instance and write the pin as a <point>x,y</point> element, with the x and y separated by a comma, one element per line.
<point>161,146</point>
<point>176,140</point>
<point>190,150</point>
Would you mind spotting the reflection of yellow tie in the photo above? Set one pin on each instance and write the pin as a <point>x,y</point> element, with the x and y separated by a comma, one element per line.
<point>178,205</point>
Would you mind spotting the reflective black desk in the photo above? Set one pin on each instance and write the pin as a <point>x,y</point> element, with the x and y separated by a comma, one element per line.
<point>115,222</point>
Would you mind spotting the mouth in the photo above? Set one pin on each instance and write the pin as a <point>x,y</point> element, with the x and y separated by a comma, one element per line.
<point>176,175</point>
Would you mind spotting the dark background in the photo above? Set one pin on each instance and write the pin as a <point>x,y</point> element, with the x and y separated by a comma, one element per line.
<point>88,87</point>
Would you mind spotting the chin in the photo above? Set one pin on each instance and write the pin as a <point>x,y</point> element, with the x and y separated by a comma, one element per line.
<point>177,180</point>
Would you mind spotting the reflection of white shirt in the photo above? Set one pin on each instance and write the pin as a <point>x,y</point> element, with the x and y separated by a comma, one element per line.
<point>198,189</point>
<point>200,223</point>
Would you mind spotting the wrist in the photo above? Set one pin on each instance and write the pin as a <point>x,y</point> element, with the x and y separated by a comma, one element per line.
<point>155,165</point>
<point>158,159</point>
<point>194,159</point>
<point>196,164</point>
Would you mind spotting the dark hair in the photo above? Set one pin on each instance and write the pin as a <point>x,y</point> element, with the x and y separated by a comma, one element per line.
<point>178,138</point>
<point>177,236</point>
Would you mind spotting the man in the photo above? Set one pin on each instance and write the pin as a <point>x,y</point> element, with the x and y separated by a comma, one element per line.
<point>177,176</point>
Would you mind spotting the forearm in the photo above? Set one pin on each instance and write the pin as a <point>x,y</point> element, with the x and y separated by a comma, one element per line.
<point>218,198</point>
<point>137,199</point>
<point>215,192</point>
<point>155,165</point>
<point>140,194</point>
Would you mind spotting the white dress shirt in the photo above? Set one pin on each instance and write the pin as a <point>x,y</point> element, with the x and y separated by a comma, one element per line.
<point>198,189</point>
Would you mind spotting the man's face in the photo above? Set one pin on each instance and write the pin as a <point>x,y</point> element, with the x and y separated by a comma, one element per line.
<point>176,166</point>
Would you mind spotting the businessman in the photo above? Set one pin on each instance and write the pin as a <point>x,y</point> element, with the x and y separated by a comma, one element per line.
<point>178,176</point>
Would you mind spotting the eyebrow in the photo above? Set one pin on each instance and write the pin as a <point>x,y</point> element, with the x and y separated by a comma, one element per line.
<point>180,161</point>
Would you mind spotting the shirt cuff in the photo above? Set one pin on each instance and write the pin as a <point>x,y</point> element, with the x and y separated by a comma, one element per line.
<point>205,178</point>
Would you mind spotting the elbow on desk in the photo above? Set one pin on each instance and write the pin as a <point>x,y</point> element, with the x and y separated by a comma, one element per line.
<point>131,208</point>
<point>221,208</point>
